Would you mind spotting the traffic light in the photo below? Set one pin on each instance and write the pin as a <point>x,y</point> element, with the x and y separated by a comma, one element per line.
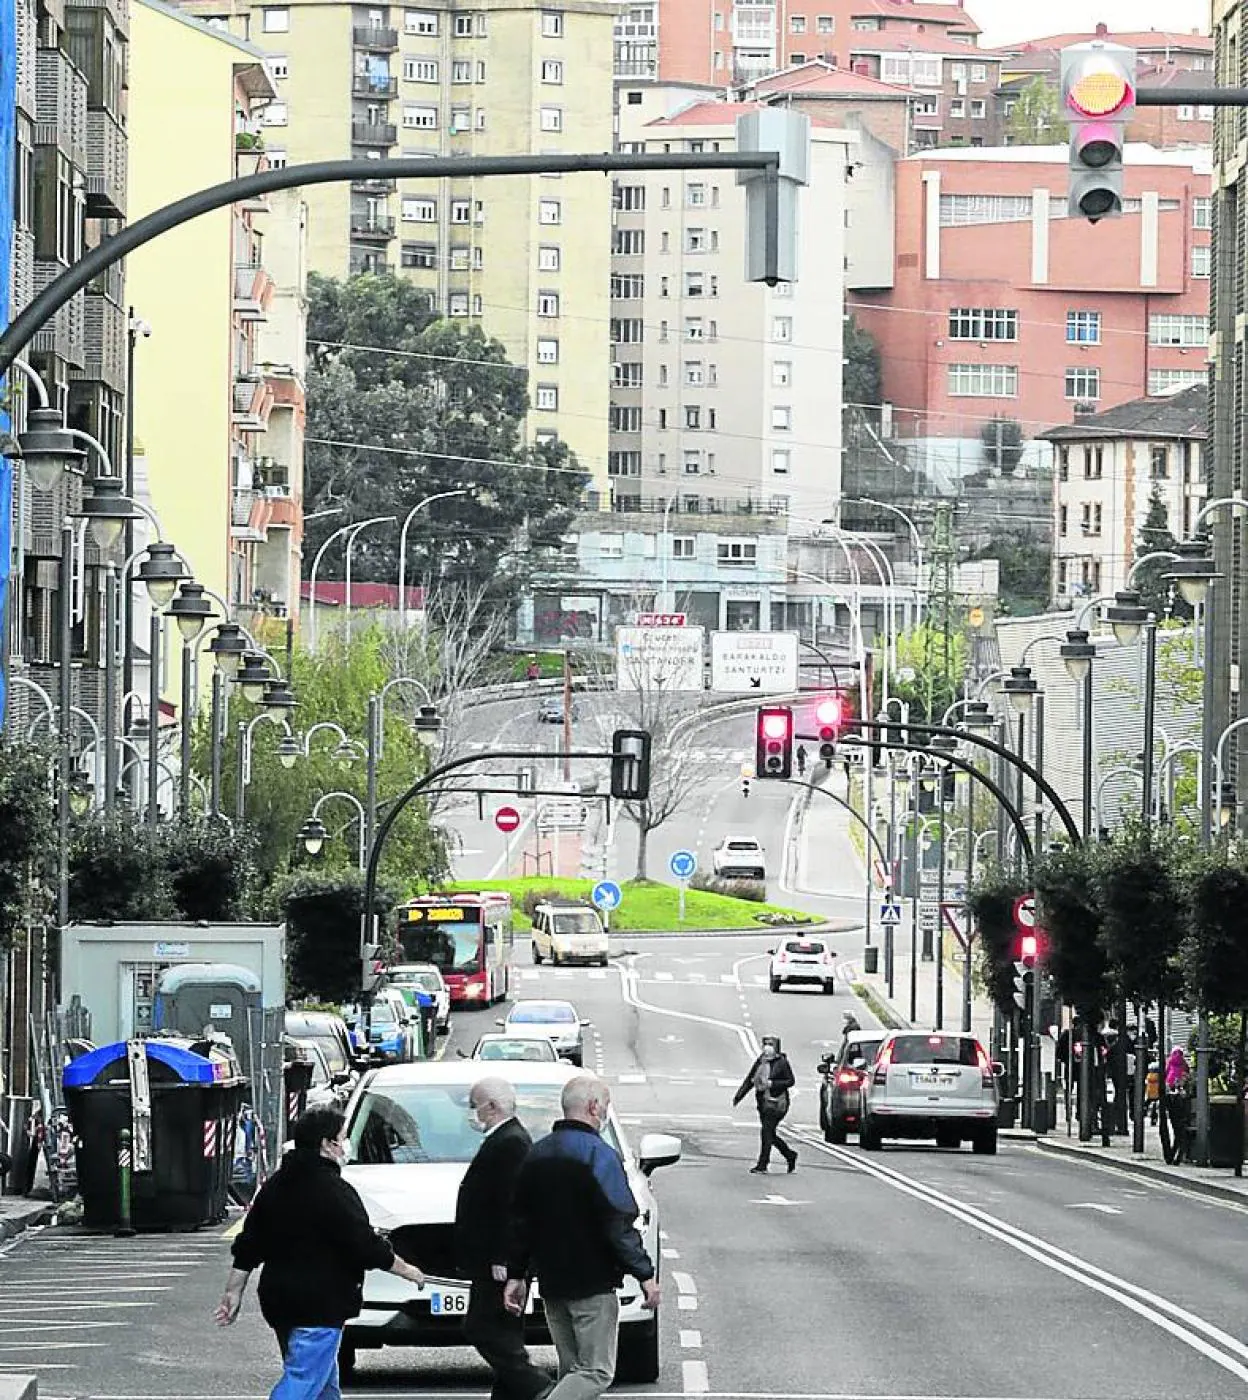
<point>949,784</point>
<point>774,742</point>
<point>630,765</point>
<point>1098,98</point>
<point>829,715</point>
<point>1028,950</point>
<point>1025,969</point>
<point>746,774</point>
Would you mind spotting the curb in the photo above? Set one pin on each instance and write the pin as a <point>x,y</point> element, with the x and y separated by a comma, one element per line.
<point>1153,1171</point>
<point>14,1222</point>
<point>756,930</point>
<point>880,1009</point>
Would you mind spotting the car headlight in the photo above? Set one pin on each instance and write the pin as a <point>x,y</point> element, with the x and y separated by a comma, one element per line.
<point>474,989</point>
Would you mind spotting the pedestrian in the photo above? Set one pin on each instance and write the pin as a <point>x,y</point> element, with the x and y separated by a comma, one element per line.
<point>770,1077</point>
<point>1178,1104</point>
<point>482,1234</point>
<point>574,1227</point>
<point>308,1233</point>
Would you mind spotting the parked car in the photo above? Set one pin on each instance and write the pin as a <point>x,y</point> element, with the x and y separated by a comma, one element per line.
<point>503,1045</point>
<point>330,1032</point>
<point>558,1021</point>
<point>411,1143</point>
<point>394,1030</point>
<point>739,858</point>
<point>840,1088</point>
<point>567,933</point>
<point>429,979</point>
<point>803,962</point>
<point>940,1086</point>
<point>326,1090</point>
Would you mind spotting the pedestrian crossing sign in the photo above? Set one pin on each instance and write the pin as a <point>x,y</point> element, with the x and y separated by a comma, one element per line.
<point>890,913</point>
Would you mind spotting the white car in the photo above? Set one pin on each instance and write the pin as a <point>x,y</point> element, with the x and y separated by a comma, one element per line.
<point>499,1045</point>
<point>558,1021</point>
<point>740,858</point>
<point>940,1085</point>
<point>803,962</point>
<point>411,1143</point>
<point>429,979</point>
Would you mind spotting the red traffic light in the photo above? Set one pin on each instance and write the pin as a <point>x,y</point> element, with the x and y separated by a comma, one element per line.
<point>775,724</point>
<point>774,743</point>
<point>830,714</point>
<point>1028,949</point>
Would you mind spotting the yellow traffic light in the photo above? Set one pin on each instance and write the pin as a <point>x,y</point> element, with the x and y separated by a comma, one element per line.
<point>1098,97</point>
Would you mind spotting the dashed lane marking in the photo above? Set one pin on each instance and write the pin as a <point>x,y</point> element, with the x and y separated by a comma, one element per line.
<point>630,1079</point>
<point>729,978</point>
<point>684,1282</point>
<point>694,1378</point>
<point>598,974</point>
<point>689,1339</point>
<point>669,1253</point>
<point>686,1302</point>
<point>664,977</point>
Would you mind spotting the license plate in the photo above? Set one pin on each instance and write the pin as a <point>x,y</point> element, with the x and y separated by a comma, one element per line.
<point>448,1302</point>
<point>935,1077</point>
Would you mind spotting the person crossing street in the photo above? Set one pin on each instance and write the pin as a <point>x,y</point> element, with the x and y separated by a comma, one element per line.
<point>770,1077</point>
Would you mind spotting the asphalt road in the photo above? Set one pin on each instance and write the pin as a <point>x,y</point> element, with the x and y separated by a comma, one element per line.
<point>912,1273</point>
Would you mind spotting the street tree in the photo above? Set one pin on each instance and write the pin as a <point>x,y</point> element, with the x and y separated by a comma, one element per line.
<point>1139,891</point>
<point>991,903</point>
<point>929,671</point>
<point>1072,914</point>
<point>27,833</point>
<point>1035,119</point>
<point>322,911</point>
<point>862,375</point>
<point>1160,597</point>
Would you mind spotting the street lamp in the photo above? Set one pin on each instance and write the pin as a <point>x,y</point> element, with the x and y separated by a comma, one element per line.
<point>1078,654</point>
<point>1020,687</point>
<point>427,725</point>
<point>278,699</point>
<point>1225,804</point>
<point>411,515</point>
<point>1126,616</point>
<point>161,571</point>
<point>289,751</point>
<point>107,509</point>
<point>190,610</point>
<point>229,646</point>
<point>313,834</point>
<point>48,449</point>
<point>253,675</point>
<point>1194,570</point>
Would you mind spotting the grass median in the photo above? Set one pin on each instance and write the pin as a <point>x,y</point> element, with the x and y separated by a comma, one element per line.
<point>647,905</point>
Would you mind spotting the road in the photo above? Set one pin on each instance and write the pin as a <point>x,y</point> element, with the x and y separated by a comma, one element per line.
<point>911,1273</point>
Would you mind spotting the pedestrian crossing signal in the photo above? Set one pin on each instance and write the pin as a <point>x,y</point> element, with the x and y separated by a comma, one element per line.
<point>774,742</point>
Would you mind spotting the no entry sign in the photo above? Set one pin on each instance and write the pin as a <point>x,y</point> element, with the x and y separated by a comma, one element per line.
<point>507,819</point>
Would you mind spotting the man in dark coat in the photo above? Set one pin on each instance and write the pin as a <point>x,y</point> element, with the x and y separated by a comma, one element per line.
<point>771,1077</point>
<point>482,1235</point>
<point>309,1230</point>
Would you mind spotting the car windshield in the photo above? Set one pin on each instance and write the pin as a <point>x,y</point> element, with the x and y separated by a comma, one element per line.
<point>384,1010</point>
<point>860,1052</point>
<point>577,921</point>
<point>542,1013</point>
<point>806,945</point>
<point>934,1050</point>
<point>429,1122</point>
<point>426,981</point>
<point>515,1050</point>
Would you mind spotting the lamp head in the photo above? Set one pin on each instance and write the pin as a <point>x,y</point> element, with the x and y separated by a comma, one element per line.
<point>288,751</point>
<point>228,646</point>
<point>1020,686</point>
<point>107,508</point>
<point>1078,653</point>
<point>1127,616</point>
<point>278,699</point>
<point>1194,570</point>
<point>312,833</point>
<point>47,449</point>
<point>253,675</point>
<point>977,715</point>
<point>427,725</point>
<point>162,572</point>
<point>190,610</point>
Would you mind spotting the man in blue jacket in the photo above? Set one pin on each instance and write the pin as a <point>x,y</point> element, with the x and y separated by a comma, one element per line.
<point>574,1222</point>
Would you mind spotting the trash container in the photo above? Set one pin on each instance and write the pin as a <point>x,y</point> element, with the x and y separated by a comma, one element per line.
<point>17,1142</point>
<point>871,960</point>
<point>180,1100</point>
<point>1226,1130</point>
<point>297,1080</point>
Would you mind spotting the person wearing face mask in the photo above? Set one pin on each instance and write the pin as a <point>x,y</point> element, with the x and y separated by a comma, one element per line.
<point>482,1227</point>
<point>770,1077</point>
<point>575,1228</point>
<point>308,1233</point>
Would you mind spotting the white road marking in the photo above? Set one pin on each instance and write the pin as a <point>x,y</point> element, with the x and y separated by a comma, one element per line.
<point>684,1282</point>
<point>597,974</point>
<point>563,972</point>
<point>631,1079</point>
<point>663,977</point>
<point>1094,1205</point>
<point>689,1339</point>
<point>778,1201</point>
<point>669,1253</point>
<point>727,1083</point>
<point>529,974</point>
<point>686,1302</point>
<point>728,977</point>
<point>693,1377</point>
<point>697,977</point>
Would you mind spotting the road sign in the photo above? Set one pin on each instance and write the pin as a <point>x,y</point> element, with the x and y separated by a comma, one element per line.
<point>890,913</point>
<point>507,819</point>
<point>658,658</point>
<point>682,864</point>
<point>957,920</point>
<point>754,663</point>
<point>661,619</point>
<point>606,894</point>
<point>929,916</point>
<point>1025,912</point>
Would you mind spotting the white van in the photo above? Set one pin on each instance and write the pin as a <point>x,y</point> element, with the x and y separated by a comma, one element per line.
<point>568,933</point>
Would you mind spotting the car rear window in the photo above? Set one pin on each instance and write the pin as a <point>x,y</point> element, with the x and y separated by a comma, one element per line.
<point>803,945</point>
<point>860,1052</point>
<point>743,845</point>
<point>541,1013</point>
<point>934,1050</point>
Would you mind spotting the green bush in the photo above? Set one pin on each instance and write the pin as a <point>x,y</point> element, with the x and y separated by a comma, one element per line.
<point>532,898</point>
<point>991,903</point>
<point>323,913</point>
<point>753,890</point>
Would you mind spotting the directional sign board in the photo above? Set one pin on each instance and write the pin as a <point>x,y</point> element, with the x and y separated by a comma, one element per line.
<point>658,658</point>
<point>754,663</point>
<point>890,913</point>
<point>606,895</point>
<point>682,864</point>
<point>929,915</point>
<point>1025,913</point>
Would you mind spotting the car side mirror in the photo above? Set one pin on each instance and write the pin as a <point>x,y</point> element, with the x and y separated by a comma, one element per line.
<point>998,1069</point>
<point>584,1022</point>
<point>463,1054</point>
<point>342,1077</point>
<point>658,1150</point>
<point>499,1023</point>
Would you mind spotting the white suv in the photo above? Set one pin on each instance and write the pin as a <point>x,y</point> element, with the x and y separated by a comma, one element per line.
<point>940,1085</point>
<point>740,858</point>
<point>803,962</point>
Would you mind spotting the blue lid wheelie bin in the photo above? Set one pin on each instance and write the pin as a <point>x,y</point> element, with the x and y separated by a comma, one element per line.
<point>180,1100</point>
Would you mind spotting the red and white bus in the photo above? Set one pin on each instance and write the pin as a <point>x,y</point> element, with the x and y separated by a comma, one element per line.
<point>467,936</point>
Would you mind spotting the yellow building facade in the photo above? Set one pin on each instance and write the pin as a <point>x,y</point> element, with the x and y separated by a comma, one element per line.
<point>527,258</point>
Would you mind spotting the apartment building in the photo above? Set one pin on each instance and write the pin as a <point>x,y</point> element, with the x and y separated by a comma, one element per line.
<point>729,42</point>
<point>722,390</point>
<point>525,257</point>
<point>1004,308</point>
<point>1107,468</point>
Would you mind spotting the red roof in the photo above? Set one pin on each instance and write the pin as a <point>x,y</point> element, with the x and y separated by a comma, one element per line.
<point>1149,39</point>
<point>952,16</point>
<point>899,41</point>
<point>721,114</point>
<point>828,81</point>
<point>332,593</point>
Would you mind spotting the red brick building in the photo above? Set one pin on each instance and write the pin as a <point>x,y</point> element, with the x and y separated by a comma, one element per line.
<point>1004,307</point>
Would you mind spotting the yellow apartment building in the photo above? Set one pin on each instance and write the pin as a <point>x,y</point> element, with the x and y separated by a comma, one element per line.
<point>528,258</point>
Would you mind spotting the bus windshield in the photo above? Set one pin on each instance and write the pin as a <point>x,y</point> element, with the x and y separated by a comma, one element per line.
<point>449,947</point>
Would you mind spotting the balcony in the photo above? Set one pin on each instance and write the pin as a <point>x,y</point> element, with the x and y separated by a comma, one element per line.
<point>104,343</point>
<point>374,133</point>
<point>376,38</point>
<point>60,106</point>
<point>374,186</point>
<point>372,227</point>
<point>253,290</point>
<point>369,262</point>
<point>252,400</point>
<point>106,166</point>
<point>364,86</point>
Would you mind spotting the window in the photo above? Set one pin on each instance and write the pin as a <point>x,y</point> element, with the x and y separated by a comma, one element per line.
<point>1083,382</point>
<point>692,460</point>
<point>629,242</point>
<point>979,109</point>
<point>552,24</point>
<point>797,58</point>
<point>1161,381</point>
<point>548,259</point>
<point>419,255</point>
<point>694,372</point>
<point>693,417</point>
<point>548,304</point>
<point>276,114</point>
<point>547,352</point>
<point>1159,461</point>
<point>736,552</point>
<point>1083,327</point>
<point>695,284</point>
<point>1090,518</point>
<point>551,119</point>
<point>277,157</point>
<point>797,24</point>
<point>463,26</point>
<point>459,258</point>
<point>457,304</point>
<point>1063,463</point>
<point>461,71</point>
<point>546,397</point>
<point>911,69</point>
<point>552,70</point>
<point>979,72</point>
<point>422,118</point>
<point>662,376</point>
<point>275,21</point>
<point>1093,463</point>
<point>624,418</point>
<point>626,376</point>
<point>781,418</point>
<point>927,107</point>
<point>630,198</point>
<point>278,66</point>
<point>1188,331</point>
<point>1202,259</point>
<point>982,323</point>
<point>958,209</point>
<point>630,286</point>
<point>480,119</point>
<point>696,240</point>
<point>695,196</point>
<point>418,210</point>
<point>957,107</point>
<point>420,22</point>
<point>957,71</point>
<point>461,119</point>
<point>684,547</point>
<point>1202,212</point>
<point>420,70</point>
<point>782,328</point>
<point>480,70</point>
<point>1062,514</point>
<point>461,211</point>
<point>611,546</point>
<point>780,459</point>
<point>983,381</point>
<point>549,211</point>
<point>781,373</point>
<point>1186,113</point>
<point>627,332</point>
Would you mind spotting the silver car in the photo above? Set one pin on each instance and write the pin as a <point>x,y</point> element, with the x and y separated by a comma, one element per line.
<point>940,1085</point>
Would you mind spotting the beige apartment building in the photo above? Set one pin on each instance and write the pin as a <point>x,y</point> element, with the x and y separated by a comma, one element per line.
<point>525,257</point>
<point>726,394</point>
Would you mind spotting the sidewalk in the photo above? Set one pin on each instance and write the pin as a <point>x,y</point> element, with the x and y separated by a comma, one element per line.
<point>18,1213</point>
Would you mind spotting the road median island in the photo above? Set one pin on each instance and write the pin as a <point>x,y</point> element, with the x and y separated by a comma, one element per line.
<point>880,1009</point>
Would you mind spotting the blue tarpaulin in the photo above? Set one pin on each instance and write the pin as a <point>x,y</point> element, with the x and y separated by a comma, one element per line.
<point>186,1064</point>
<point>8,123</point>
